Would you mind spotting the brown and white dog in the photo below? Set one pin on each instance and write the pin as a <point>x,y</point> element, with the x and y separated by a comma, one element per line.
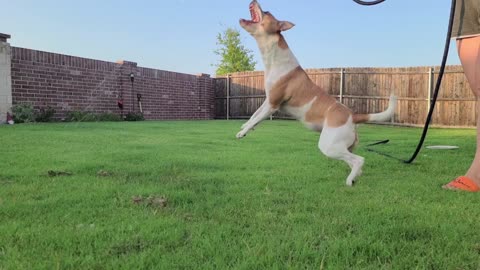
<point>289,88</point>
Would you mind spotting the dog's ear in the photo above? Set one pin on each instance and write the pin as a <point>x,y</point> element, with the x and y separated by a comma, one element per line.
<point>284,25</point>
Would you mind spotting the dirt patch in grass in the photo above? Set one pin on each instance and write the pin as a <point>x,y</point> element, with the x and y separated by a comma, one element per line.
<point>151,201</point>
<point>53,173</point>
<point>103,173</point>
<point>126,248</point>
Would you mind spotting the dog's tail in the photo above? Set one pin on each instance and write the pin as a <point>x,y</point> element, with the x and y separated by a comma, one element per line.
<point>378,117</point>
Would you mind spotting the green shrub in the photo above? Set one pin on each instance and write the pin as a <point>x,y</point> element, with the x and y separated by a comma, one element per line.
<point>23,113</point>
<point>109,117</point>
<point>80,116</point>
<point>134,116</point>
<point>45,114</point>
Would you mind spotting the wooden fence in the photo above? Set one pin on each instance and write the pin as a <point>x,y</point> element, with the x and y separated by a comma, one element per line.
<point>364,90</point>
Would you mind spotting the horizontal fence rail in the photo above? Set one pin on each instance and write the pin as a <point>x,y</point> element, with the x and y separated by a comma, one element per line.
<point>364,90</point>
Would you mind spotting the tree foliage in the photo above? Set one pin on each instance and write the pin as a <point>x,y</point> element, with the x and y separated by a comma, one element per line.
<point>234,56</point>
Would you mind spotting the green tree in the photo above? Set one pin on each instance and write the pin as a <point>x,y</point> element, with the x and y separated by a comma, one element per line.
<point>234,56</point>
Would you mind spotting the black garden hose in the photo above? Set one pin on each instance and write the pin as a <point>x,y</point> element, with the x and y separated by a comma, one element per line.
<point>437,87</point>
<point>365,3</point>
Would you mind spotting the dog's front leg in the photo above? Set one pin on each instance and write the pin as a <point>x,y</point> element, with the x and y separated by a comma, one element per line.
<point>265,103</point>
<point>266,111</point>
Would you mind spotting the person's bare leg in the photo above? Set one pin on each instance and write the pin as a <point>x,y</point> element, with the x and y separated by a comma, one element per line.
<point>474,171</point>
<point>469,53</point>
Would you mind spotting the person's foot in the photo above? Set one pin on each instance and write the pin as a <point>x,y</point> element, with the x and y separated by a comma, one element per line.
<point>464,183</point>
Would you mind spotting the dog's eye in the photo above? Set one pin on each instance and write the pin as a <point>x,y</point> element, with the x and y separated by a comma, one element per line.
<point>268,13</point>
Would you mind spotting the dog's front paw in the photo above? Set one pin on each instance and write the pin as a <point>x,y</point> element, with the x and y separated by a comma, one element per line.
<point>241,134</point>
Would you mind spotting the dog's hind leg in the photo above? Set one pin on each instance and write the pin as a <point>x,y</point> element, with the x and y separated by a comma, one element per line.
<point>355,162</point>
<point>334,143</point>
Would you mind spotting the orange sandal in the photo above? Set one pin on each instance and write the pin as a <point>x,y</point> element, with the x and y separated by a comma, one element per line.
<point>463,183</point>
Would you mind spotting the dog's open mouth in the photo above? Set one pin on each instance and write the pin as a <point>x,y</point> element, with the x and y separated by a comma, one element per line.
<point>254,13</point>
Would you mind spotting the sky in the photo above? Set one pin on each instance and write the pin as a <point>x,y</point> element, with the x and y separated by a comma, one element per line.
<point>180,35</point>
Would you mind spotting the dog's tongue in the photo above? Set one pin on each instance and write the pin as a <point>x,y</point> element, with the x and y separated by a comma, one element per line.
<point>254,14</point>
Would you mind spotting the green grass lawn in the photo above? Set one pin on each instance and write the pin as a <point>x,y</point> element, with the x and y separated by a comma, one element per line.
<point>269,201</point>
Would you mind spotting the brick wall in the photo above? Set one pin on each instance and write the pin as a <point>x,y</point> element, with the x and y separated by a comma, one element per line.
<point>69,83</point>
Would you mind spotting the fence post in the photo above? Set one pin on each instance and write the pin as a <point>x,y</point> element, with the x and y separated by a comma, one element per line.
<point>431,74</point>
<point>5,77</point>
<point>228,96</point>
<point>342,83</point>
